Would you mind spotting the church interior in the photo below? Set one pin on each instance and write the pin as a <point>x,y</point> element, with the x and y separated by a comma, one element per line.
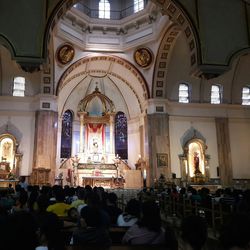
<point>125,95</point>
<point>161,90</point>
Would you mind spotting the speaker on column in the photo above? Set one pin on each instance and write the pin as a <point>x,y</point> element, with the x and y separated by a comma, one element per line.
<point>173,175</point>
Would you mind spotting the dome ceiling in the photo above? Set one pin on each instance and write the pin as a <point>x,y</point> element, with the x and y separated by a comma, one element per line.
<point>111,35</point>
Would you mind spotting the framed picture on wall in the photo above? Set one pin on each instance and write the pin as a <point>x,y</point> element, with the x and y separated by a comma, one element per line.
<point>162,160</point>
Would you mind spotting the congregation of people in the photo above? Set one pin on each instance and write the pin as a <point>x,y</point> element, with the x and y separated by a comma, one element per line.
<point>54,218</point>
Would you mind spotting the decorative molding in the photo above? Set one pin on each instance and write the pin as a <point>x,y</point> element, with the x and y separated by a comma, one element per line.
<point>161,65</point>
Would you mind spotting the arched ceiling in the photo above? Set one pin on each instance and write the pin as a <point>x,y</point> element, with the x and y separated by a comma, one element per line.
<point>115,77</point>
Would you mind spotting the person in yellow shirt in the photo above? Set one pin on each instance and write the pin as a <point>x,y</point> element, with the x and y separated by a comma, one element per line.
<point>60,208</point>
<point>81,198</point>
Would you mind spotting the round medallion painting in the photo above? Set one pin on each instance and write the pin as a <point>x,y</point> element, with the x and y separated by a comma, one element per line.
<point>143,57</point>
<point>65,53</point>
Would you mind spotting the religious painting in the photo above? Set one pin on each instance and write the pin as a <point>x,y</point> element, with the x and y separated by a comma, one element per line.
<point>65,53</point>
<point>143,57</point>
<point>162,160</point>
<point>95,135</point>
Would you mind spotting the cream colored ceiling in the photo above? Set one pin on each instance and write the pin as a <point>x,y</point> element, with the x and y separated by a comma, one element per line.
<point>116,78</point>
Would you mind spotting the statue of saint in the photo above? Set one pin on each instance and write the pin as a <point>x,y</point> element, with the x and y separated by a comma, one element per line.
<point>95,146</point>
<point>196,163</point>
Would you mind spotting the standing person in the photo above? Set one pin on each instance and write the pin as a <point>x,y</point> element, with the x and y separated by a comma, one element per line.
<point>22,182</point>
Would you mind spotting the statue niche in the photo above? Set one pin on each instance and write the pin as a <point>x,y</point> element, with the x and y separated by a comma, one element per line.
<point>194,162</point>
<point>9,158</point>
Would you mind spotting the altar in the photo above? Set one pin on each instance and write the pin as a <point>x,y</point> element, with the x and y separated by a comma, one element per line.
<point>97,174</point>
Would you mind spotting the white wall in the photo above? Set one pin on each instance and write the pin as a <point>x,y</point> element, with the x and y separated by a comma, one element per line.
<point>11,69</point>
<point>22,126</point>
<point>178,125</point>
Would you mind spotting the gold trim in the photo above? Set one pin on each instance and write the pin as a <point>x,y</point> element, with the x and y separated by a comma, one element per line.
<point>65,53</point>
<point>143,57</point>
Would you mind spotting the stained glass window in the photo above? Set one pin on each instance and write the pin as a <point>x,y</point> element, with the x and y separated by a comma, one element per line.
<point>66,136</point>
<point>121,135</point>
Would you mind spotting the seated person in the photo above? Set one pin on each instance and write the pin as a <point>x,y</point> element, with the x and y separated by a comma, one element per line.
<point>60,208</point>
<point>131,214</point>
<point>148,230</point>
<point>112,209</point>
<point>91,230</point>
<point>193,233</point>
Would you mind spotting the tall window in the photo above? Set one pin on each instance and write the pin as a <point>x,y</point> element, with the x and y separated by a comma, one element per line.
<point>19,86</point>
<point>246,96</point>
<point>183,93</point>
<point>66,136</point>
<point>216,94</point>
<point>121,135</point>
<point>104,9</point>
<point>138,5</point>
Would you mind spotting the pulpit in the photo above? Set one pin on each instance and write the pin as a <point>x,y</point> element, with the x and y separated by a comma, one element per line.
<point>40,176</point>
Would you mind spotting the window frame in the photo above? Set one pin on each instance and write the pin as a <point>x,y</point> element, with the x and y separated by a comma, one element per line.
<point>248,97</point>
<point>18,86</point>
<point>214,97</point>
<point>138,5</point>
<point>187,91</point>
<point>104,9</point>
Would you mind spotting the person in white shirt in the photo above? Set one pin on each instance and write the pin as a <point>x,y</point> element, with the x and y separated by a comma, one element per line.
<point>131,214</point>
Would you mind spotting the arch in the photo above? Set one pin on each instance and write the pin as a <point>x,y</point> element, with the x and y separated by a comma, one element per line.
<point>181,23</point>
<point>162,60</point>
<point>179,16</point>
<point>237,54</point>
<point>7,44</point>
<point>194,160</point>
<point>116,69</point>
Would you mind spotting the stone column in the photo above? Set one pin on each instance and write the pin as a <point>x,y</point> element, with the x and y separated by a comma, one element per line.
<point>157,141</point>
<point>224,151</point>
<point>45,145</point>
